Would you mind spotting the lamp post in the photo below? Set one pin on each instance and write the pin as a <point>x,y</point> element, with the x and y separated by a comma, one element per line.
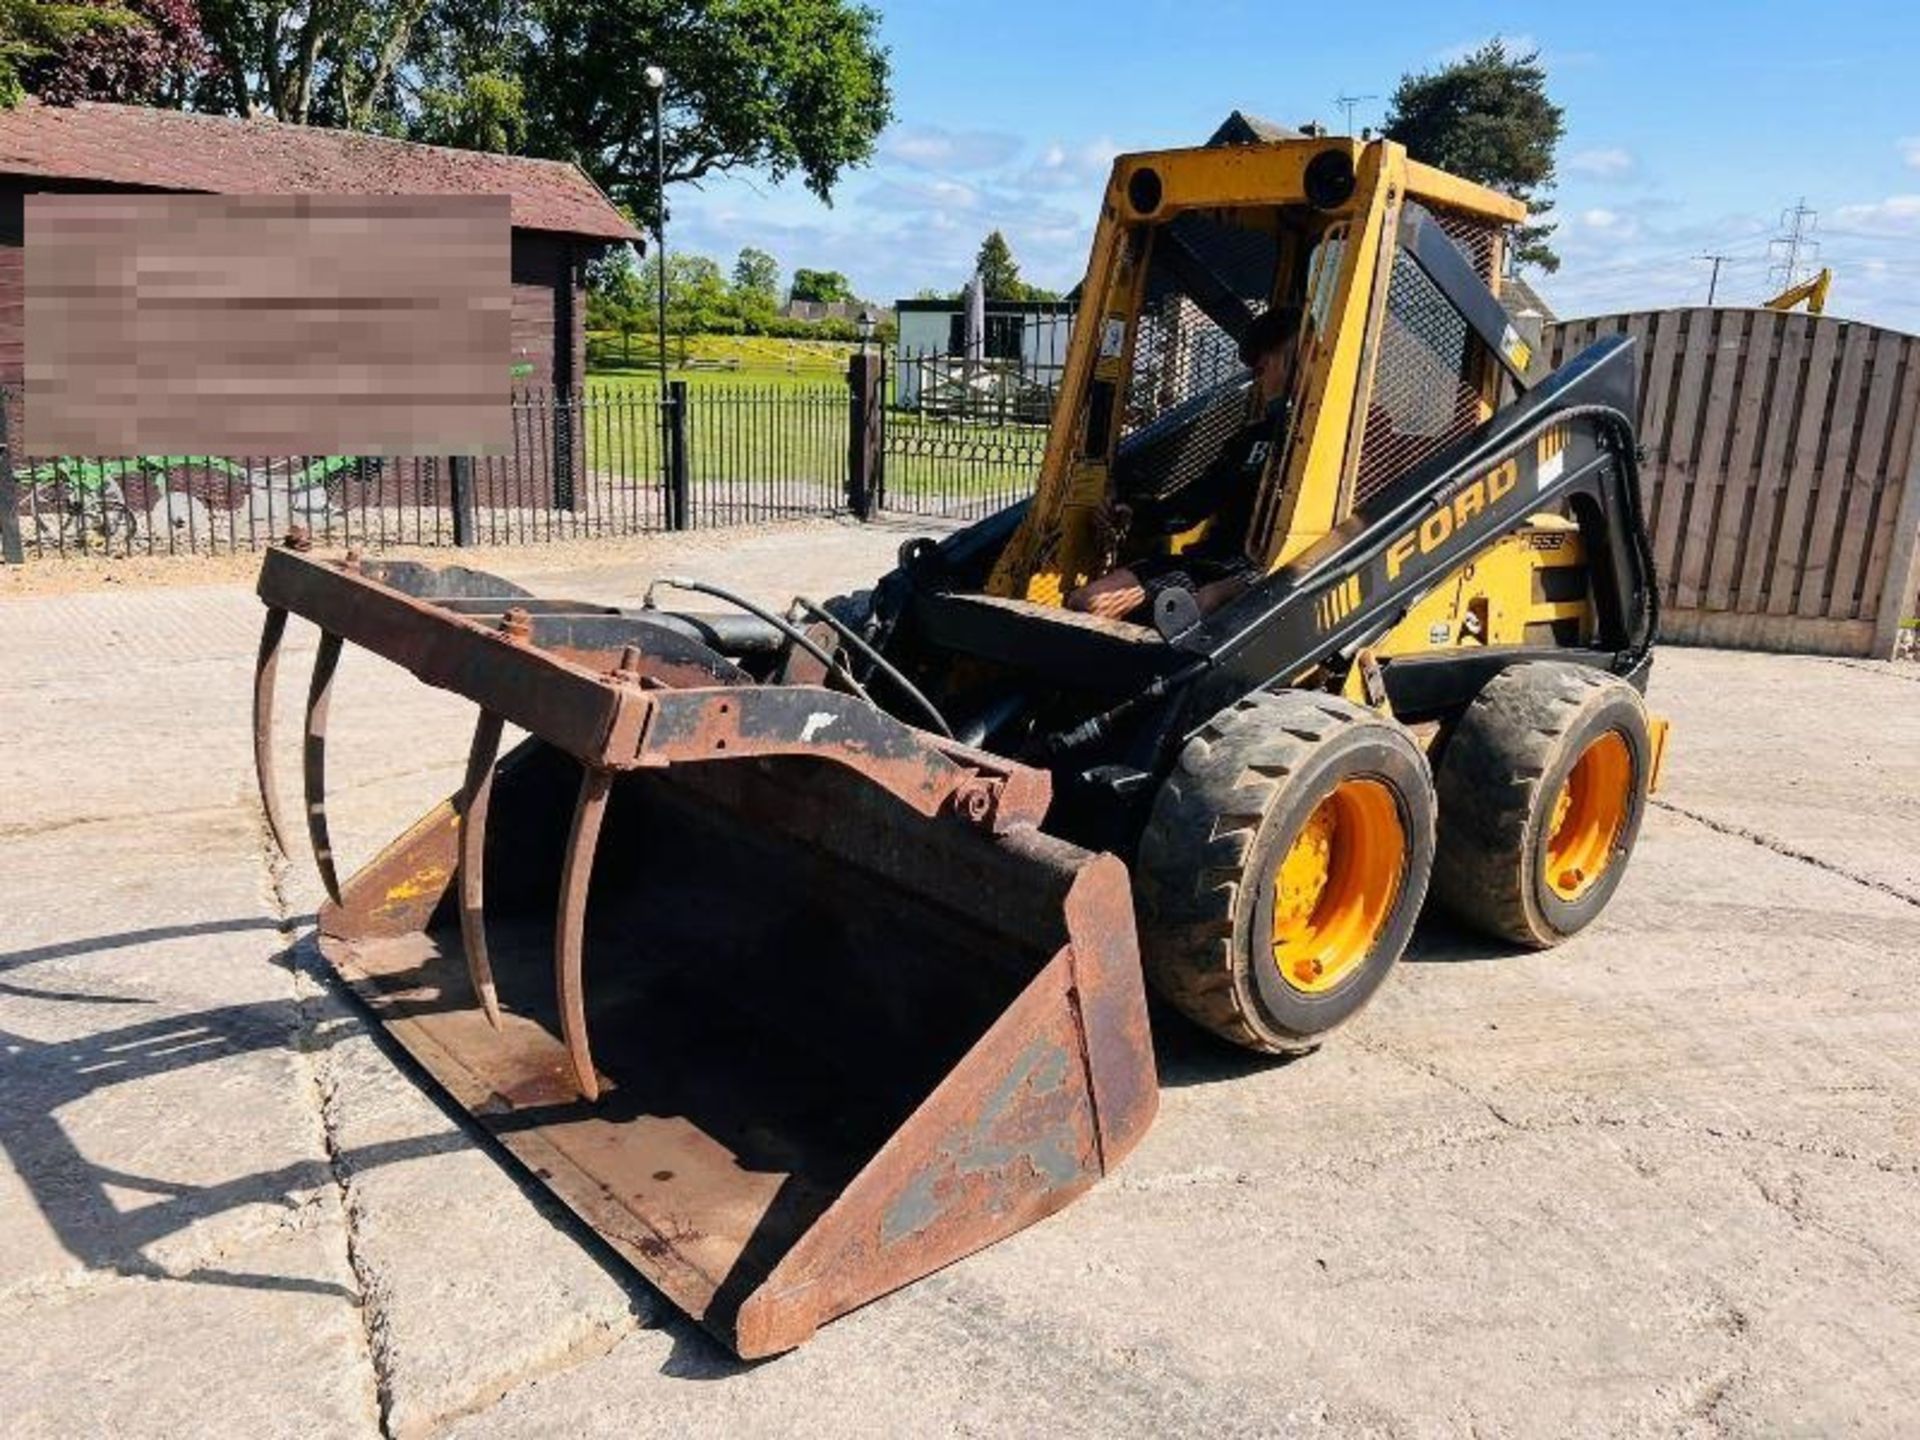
<point>655,79</point>
<point>867,322</point>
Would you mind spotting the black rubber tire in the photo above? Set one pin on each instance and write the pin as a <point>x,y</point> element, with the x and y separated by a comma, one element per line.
<point>1233,804</point>
<point>1497,779</point>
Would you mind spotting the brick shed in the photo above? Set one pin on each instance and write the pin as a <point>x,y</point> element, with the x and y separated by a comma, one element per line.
<point>561,219</point>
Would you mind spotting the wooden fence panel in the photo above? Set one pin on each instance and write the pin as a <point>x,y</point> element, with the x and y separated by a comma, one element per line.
<point>1842,433</point>
<point>1700,511</point>
<point>1901,489</point>
<point>1854,520</point>
<point>1740,495</point>
<point>1783,456</point>
<point>1802,469</point>
<point>1678,437</point>
<point>1783,405</point>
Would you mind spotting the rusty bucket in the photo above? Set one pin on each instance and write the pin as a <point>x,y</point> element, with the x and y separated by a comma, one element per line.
<point>790,1002</point>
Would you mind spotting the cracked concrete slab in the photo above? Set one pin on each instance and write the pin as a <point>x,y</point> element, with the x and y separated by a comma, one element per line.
<point>263,1343</point>
<point>477,1279</point>
<point>156,1110</point>
<point>1819,755</point>
<point>1664,1180</point>
<point>153,1144</point>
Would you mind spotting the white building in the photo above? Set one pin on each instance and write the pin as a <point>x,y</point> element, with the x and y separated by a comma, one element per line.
<point>1025,346</point>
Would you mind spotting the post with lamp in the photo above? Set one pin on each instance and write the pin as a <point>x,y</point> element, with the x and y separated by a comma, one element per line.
<point>673,427</point>
<point>864,421</point>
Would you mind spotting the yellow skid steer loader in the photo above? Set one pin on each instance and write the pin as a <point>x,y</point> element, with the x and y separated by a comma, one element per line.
<point>803,953</point>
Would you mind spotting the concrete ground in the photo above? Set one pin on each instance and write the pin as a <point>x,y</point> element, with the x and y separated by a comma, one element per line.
<point>1665,1180</point>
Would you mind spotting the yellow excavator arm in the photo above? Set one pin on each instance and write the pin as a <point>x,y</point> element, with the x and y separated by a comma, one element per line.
<point>1811,293</point>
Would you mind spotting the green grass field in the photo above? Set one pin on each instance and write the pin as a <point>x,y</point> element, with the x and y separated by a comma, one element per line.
<point>723,360</point>
<point>770,412</point>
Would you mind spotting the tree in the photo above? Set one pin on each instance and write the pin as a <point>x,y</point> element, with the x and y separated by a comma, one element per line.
<point>476,109</point>
<point>317,63</point>
<point>618,298</point>
<point>827,287</point>
<point>996,266</point>
<point>780,86</point>
<point>34,33</point>
<point>756,284</point>
<point>698,301</point>
<point>998,270</point>
<point>1487,118</point>
<point>146,53</point>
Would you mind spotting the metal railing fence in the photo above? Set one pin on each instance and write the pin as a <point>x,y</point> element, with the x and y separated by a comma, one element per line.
<point>961,438</point>
<point>606,459</point>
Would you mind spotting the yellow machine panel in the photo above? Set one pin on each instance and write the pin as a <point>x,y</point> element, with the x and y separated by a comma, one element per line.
<point>1528,589</point>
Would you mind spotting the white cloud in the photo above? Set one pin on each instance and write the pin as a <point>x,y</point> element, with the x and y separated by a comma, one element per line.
<point>940,196</point>
<point>928,147</point>
<point>1910,151</point>
<point>1610,163</point>
<point>1896,217</point>
<point>1647,254</point>
<point>1063,167</point>
<point>1518,46</point>
<point>1612,225</point>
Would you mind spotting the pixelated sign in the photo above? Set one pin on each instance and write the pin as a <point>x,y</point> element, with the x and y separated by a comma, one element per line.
<point>263,325</point>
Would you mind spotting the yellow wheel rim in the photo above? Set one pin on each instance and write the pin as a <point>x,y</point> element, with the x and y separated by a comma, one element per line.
<point>1588,815</point>
<point>1335,886</point>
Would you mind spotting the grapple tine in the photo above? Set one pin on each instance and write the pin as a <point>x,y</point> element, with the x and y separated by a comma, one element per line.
<point>476,796</point>
<point>569,940</point>
<point>319,694</point>
<point>266,667</point>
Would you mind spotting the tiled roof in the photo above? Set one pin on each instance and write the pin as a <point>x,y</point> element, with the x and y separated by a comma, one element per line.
<point>173,150</point>
<point>1520,298</point>
<point>1240,128</point>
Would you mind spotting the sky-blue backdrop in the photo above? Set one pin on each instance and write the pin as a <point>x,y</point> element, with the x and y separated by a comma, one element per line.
<point>1690,128</point>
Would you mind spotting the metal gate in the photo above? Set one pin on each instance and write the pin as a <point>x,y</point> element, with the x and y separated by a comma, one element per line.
<point>957,460</point>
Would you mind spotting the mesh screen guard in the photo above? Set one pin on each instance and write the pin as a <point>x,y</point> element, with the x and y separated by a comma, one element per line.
<point>1428,378</point>
<point>1180,351</point>
<point>1186,390</point>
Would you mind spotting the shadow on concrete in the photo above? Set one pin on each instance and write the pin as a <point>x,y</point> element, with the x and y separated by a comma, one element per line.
<point>1189,1054</point>
<point>80,997</point>
<point>75,1194</point>
<point>153,935</point>
<point>106,1218</point>
<point>1442,940</point>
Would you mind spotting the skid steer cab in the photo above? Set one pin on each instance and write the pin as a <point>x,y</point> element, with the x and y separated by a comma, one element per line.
<point>802,952</point>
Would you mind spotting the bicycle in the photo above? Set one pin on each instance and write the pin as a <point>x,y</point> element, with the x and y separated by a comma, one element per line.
<point>76,504</point>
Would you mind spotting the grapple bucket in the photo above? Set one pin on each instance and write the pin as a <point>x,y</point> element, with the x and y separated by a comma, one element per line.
<point>791,1002</point>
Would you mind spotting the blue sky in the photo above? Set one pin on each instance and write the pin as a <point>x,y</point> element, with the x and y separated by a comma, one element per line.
<point>1690,128</point>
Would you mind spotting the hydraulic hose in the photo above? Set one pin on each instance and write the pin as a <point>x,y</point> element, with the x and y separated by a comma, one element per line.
<point>786,627</point>
<point>880,663</point>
